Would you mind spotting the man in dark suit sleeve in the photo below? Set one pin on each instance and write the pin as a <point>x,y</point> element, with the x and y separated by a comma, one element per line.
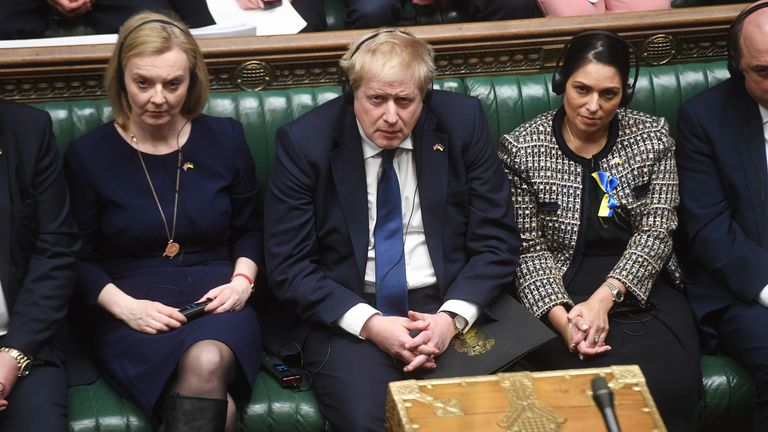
<point>724,208</point>
<point>460,249</point>
<point>25,19</point>
<point>37,272</point>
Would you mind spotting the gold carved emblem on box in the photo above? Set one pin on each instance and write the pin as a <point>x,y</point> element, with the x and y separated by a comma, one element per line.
<point>521,402</point>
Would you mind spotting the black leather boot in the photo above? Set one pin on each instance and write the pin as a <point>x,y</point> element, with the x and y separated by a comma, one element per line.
<point>194,414</point>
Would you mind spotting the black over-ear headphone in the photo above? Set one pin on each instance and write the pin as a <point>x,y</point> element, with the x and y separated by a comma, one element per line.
<point>121,72</point>
<point>734,52</point>
<point>346,87</point>
<point>558,80</point>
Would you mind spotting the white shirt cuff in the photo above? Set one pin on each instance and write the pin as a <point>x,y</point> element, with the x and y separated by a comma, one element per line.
<point>355,318</point>
<point>468,310</point>
<point>762,298</point>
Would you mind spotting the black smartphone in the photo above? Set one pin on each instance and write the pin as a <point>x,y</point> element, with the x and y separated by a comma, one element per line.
<point>269,4</point>
<point>194,310</point>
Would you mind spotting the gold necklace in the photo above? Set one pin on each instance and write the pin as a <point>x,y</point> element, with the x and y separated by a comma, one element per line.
<point>173,247</point>
<point>573,140</point>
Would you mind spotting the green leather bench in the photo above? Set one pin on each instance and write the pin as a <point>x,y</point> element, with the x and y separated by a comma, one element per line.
<point>508,101</point>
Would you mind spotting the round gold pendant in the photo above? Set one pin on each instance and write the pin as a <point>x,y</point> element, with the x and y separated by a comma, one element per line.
<point>172,249</point>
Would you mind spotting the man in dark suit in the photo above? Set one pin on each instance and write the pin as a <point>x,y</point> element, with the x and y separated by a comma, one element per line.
<point>358,280</point>
<point>24,19</point>
<point>37,272</point>
<point>724,208</point>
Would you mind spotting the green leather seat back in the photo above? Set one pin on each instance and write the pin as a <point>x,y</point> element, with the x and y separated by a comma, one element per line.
<point>508,100</point>
<point>511,100</point>
<point>262,113</point>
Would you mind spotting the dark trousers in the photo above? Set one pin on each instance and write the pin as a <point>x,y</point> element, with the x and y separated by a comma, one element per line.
<point>29,18</point>
<point>38,401</point>
<point>350,375</point>
<point>742,335</point>
<point>494,10</point>
<point>662,341</point>
<point>379,13</point>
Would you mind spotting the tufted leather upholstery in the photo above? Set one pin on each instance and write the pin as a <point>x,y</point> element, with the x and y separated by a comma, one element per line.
<point>508,101</point>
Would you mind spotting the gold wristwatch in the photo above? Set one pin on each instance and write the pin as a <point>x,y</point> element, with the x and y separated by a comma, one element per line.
<point>459,322</point>
<point>23,360</point>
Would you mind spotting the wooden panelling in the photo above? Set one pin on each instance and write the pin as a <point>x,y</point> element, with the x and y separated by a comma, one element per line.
<point>500,47</point>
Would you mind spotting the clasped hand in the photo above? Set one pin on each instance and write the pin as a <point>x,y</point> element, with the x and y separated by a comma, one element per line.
<point>392,335</point>
<point>585,327</point>
<point>8,374</point>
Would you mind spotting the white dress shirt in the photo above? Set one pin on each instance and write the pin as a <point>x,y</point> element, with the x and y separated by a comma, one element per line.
<point>5,320</point>
<point>762,298</point>
<point>419,272</point>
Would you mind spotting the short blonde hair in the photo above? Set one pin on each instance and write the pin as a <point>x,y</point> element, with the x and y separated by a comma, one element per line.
<point>151,33</point>
<point>389,53</point>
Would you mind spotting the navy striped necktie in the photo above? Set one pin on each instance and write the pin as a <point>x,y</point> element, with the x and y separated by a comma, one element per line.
<point>391,285</point>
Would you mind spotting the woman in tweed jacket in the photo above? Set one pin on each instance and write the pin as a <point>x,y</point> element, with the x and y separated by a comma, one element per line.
<point>595,192</point>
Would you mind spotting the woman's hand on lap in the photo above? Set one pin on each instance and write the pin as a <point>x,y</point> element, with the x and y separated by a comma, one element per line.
<point>229,297</point>
<point>151,317</point>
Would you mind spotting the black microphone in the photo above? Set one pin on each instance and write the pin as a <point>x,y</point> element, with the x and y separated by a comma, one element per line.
<point>603,397</point>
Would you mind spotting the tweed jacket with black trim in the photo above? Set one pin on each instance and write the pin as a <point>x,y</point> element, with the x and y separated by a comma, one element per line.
<point>547,189</point>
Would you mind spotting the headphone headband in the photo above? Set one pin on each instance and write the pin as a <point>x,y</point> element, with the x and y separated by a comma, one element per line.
<point>346,86</point>
<point>734,52</point>
<point>558,80</point>
<point>374,36</point>
<point>142,24</point>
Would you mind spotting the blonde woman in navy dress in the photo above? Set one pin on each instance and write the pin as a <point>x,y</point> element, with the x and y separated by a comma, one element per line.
<point>166,201</point>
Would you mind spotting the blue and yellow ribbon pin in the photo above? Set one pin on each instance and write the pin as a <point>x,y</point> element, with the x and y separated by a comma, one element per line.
<point>607,184</point>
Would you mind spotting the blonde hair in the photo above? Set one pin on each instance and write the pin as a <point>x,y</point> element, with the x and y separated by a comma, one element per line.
<point>389,53</point>
<point>151,33</point>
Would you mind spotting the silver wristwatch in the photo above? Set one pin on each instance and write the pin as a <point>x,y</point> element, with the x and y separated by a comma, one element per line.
<point>618,296</point>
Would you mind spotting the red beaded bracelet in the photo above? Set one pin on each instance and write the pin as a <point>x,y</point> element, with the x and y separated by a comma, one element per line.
<point>244,276</point>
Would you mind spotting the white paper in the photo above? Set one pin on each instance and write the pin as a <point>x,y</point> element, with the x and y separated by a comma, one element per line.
<point>233,29</point>
<point>282,19</point>
<point>60,41</point>
<point>230,21</point>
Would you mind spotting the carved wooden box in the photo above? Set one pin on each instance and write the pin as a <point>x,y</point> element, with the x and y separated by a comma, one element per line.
<point>522,402</point>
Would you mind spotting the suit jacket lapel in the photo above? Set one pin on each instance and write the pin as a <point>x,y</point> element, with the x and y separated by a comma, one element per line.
<point>748,128</point>
<point>348,170</point>
<point>5,210</point>
<point>431,169</point>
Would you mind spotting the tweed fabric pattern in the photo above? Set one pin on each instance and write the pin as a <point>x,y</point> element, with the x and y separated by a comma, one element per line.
<point>547,191</point>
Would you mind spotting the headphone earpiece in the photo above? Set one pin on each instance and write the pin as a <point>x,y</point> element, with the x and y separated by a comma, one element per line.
<point>558,78</point>
<point>558,86</point>
<point>627,94</point>
<point>734,54</point>
<point>346,88</point>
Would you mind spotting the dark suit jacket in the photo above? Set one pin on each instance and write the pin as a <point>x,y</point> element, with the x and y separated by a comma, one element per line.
<point>316,221</point>
<point>37,236</point>
<point>722,169</point>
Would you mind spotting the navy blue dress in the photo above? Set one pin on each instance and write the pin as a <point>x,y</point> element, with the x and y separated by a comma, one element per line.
<point>218,220</point>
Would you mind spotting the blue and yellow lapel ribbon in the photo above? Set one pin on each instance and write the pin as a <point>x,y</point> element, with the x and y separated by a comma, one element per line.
<point>607,184</point>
